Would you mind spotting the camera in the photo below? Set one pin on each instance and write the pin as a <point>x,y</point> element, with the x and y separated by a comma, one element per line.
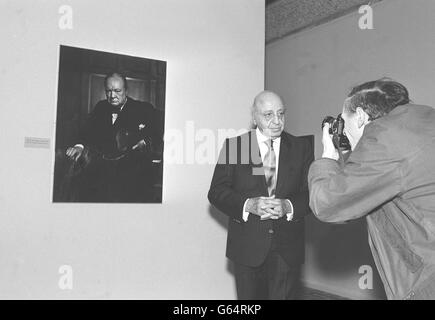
<point>336,126</point>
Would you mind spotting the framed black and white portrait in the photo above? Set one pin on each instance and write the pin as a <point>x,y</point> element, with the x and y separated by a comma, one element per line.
<point>109,128</point>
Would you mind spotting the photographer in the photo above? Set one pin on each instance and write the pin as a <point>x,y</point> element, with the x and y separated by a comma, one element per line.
<point>389,177</point>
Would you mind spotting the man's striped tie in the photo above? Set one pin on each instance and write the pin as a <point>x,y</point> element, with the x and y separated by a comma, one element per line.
<point>269,165</point>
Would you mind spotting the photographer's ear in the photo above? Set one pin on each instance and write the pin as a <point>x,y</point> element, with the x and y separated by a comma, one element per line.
<point>362,117</point>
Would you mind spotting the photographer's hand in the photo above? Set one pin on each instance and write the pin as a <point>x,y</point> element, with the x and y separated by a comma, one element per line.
<point>329,150</point>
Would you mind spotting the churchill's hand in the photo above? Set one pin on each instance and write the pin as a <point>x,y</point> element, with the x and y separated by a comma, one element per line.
<point>141,145</point>
<point>144,145</point>
<point>74,152</point>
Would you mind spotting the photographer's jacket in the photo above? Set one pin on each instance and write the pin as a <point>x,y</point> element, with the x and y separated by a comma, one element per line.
<point>390,178</point>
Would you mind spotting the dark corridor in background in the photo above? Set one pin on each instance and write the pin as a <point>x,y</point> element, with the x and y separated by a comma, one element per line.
<point>80,87</point>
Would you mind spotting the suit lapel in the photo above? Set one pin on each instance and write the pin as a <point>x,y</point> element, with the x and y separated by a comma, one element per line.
<point>122,116</point>
<point>285,162</point>
<point>254,150</point>
<point>256,162</point>
<point>106,118</point>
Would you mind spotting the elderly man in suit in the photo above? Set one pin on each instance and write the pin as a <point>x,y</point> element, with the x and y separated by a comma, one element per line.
<point>390,179</point>
<point>124,132</point>
<point>260,182</point>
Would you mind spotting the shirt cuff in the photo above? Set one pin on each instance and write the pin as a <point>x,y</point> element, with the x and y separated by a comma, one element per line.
<point>245,213</point>
<point>290,214</point>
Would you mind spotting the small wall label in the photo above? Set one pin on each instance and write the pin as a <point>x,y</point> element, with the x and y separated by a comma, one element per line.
<point>33,142</point>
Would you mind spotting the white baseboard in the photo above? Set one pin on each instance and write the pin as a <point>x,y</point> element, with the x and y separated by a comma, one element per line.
<point>342,292</point>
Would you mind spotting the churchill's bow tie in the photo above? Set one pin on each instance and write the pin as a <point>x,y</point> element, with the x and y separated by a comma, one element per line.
<point>116,110</point>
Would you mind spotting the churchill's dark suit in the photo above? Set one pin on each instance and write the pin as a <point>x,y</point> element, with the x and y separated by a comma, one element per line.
<point>121,174</point>
<point>236,179</point>
<point>100,133</point>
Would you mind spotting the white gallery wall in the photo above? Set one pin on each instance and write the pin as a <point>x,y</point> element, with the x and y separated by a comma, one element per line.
<point>314,70</point>
<point>176,250</point>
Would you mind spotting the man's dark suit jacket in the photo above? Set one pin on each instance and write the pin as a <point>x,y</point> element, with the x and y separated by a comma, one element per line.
<point>132,176</point>
<point>100,133</point>
<point>233,182</point>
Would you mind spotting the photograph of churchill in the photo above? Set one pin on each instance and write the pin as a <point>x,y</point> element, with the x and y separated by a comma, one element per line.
<point>109,130</point>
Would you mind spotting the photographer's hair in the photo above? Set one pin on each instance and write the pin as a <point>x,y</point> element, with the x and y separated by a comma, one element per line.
<point>116,74</point>
<point>377,98</point>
